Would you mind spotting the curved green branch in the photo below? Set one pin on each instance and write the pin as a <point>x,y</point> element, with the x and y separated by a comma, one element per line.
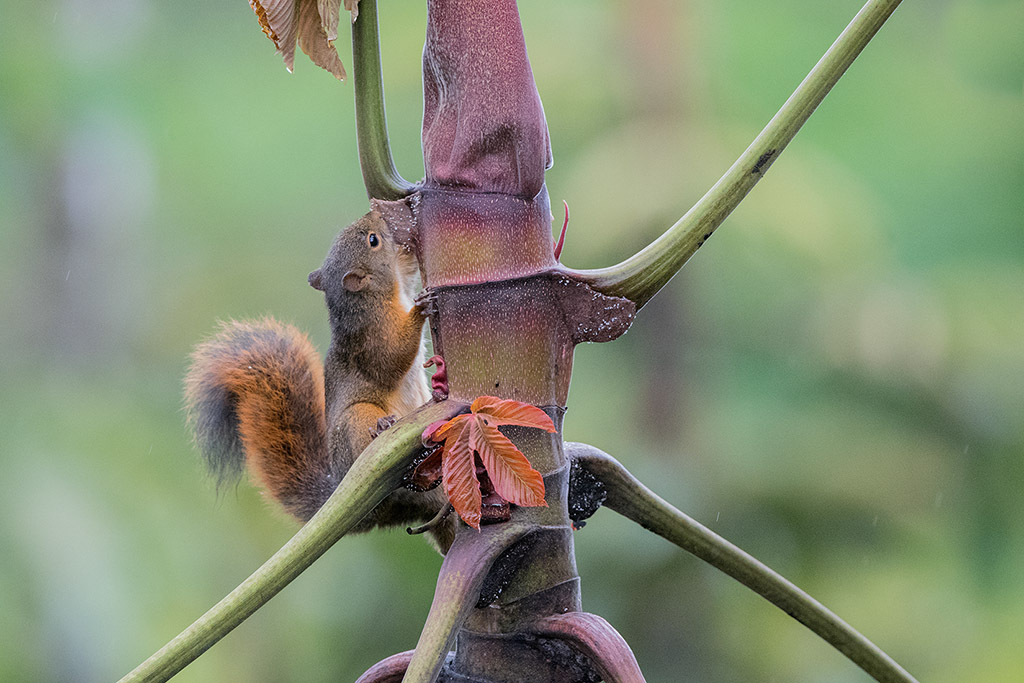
<point>375,474</point>
<point>458,588</point>
<point>380,176</point>
<point>639,277</point>
<point>631,499</point>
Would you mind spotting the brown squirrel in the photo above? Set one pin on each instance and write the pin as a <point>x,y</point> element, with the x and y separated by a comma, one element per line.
<point>258,396</point>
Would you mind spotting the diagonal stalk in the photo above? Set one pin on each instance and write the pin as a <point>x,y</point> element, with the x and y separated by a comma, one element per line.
<point>375,474</point>
<point>380,176</point>
<point>639,277</point>
<point>458,589</point>
<point>631,499</point>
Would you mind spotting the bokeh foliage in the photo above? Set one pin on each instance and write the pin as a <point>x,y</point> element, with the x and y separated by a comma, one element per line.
<point>834,382</point>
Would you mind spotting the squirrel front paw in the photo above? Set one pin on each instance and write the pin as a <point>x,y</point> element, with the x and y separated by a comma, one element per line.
<point>426,302</point>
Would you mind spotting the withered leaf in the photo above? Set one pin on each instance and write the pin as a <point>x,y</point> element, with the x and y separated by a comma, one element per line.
<point>313,39</point>
<point>313,24</point>
<point>329,10</point>
<point>277,19</point>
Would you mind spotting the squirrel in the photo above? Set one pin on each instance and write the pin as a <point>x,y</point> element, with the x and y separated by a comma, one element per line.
<point>258,396</point>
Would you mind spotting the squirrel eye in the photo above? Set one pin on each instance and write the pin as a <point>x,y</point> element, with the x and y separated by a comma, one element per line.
<point>373,240</point>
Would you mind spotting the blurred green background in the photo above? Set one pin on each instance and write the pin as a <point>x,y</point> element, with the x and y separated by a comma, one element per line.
<point>834,382</point>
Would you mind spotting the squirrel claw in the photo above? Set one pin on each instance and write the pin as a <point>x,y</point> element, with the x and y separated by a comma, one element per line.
<point>382,425</point>
<point>426,301</point>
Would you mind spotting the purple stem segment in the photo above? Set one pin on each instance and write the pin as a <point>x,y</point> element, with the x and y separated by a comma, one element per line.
<point>483,123</point>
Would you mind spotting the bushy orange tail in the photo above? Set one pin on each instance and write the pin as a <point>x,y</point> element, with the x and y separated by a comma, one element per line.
<point>255,397</point>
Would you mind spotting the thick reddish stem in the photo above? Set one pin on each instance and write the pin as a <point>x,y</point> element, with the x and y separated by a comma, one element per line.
<point>483,123</point>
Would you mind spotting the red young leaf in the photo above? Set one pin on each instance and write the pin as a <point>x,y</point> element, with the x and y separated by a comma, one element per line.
<point>427,473</point>
<point>460,482</point>
<point>469,435</point>
<point>508,412</point>
<point>427,438</point>
<point>513,477</point>
<point>453,426</point>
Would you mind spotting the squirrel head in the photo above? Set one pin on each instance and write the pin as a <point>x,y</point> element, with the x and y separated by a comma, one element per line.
<point>361,261</point>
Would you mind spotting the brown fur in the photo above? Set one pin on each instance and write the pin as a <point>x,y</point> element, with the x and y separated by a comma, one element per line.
<point>257,394</point>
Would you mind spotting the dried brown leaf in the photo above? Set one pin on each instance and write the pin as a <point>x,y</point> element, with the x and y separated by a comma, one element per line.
<point>329,10</point>
<point>277,19</point>
<point>313,39</point>
<point>353,7</point>
<point>313,24</point>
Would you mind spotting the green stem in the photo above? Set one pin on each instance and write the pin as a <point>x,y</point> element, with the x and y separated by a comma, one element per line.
<point>375,474</point>
<point>641,276</point>
<point>458,589</point>
<point>631,499</point>
<point>380,176</point>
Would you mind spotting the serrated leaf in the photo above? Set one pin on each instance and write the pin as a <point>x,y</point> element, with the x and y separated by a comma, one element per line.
<point>452,426</point>
<point>513,477</point>
<point>329,10</point>
<point>460,481</point>
<point>509,412</point>
<point>302,22</point>
<point>277,19</point>
<point>313,39</point>
<point>469,436</point>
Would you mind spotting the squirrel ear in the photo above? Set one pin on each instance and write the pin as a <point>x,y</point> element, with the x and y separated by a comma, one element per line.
<point>354,280</point>
<point>315,281</point>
